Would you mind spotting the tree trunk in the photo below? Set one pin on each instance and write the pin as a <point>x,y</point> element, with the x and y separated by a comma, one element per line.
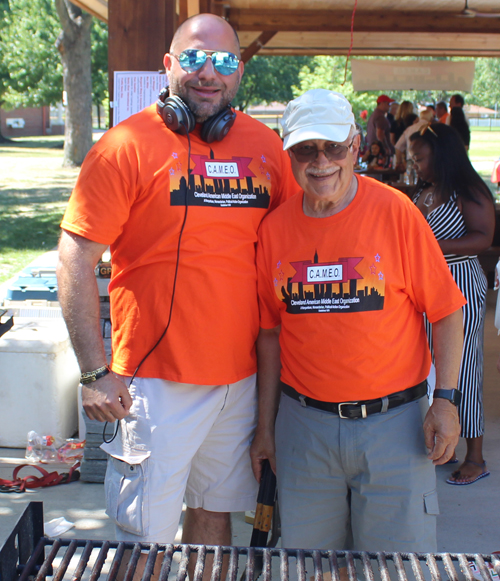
<point>74,46</point>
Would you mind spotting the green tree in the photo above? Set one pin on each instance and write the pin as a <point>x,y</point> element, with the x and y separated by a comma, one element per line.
<point>327,72</point>
<point>4,73</point>
<point>45,47</point>
<point>99,64</point>
<point>268,79</point>
<point>73,44</point>
<point>27,44</point>
<point>486,89</point>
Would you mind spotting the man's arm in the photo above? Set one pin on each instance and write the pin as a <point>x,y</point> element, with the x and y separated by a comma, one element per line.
<point>380,133</point>
<point>268,378</point>
<point>441,425</point>
<point>106,399</point>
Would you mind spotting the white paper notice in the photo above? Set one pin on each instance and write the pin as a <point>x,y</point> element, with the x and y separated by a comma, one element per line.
<point>135,90</point>
<point>380,75</point>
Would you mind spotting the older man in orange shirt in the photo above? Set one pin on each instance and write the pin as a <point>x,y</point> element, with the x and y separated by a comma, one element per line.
<point>346,269</point>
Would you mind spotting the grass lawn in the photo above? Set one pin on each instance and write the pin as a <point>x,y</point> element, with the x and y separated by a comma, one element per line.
<point>484,150</point>
<point>34,190</point>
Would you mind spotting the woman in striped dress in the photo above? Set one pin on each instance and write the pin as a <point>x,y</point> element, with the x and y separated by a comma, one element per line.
<point>459,208</point>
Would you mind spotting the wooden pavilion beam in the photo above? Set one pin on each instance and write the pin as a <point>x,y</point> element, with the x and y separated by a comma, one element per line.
<point>187,8</point>
<point>256,45</point>
<point>139,34</point>
<point>98,8</point>
<point>375,51</point>
<point>364,21</point>
<point>370,43</point>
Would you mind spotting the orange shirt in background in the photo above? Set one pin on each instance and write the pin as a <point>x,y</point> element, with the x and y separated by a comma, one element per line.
<point>131,195</point>
<point>349,292</point>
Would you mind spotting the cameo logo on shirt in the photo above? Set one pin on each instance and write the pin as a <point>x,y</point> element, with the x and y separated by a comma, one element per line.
<point>217,182</point>
<point>324,273</point>
<point>344,285</point>
<point>221,169</point>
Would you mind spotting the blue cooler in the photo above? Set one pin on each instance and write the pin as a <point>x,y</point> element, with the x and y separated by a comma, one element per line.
<point>34,282</point>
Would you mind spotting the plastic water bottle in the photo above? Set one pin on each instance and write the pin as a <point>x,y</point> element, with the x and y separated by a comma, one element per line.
<point>40,448</point>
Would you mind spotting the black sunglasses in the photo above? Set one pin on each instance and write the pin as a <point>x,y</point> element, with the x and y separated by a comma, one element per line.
<point>193,59</point>
<point>307,153</point>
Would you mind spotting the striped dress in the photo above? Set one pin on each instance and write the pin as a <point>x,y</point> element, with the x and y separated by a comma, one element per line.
<point>446,221</point>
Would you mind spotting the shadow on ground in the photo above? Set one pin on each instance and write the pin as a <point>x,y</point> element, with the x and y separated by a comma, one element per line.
<point>34,144</point>
<point>30,218</point>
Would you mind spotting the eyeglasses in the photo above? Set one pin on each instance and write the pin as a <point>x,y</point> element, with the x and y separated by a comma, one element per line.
<point>193,59</point>
<point>308,153</point>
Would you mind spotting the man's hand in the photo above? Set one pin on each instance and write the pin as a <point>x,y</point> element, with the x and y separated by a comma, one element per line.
<point>106,399</point>
<point>262,447</point>
<point>441,430</point>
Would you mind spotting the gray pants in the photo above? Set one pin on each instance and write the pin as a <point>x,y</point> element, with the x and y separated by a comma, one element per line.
<point>363,484</point>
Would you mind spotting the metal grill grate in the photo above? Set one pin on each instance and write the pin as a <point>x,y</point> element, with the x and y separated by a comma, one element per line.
<point>90,560</point>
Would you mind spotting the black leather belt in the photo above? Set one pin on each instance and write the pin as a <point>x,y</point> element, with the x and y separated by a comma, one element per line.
<point>352,410</point>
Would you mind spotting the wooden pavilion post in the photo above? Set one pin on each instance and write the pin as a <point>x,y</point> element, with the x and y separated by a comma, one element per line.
<point>139,34</point>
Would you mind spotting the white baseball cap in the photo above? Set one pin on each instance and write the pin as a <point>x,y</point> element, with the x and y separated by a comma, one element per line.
<point>317,114</point>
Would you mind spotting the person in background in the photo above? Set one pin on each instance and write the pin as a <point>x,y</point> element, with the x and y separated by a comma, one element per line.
<point>393,109</point>
<point>375,157</point>
<point>378,127</point>
<point>410,119</point>
<point>403,143</point>
<point>345,270</point>
<point>399,124</point>
<point>459,208</point>
<point>442,112</point>
<point>182,292</point>
<point>432,109</point>
<point>456,101</point>
<point>459,123</point>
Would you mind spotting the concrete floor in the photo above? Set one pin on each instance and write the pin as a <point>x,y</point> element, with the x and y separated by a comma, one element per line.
<point>469,520</point>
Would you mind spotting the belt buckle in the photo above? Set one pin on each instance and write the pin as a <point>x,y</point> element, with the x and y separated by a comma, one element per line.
<point>341,415</point>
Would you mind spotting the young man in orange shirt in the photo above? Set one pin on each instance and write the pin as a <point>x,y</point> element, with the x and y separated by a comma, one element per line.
<point>178,192</point>
<point>345,271</point>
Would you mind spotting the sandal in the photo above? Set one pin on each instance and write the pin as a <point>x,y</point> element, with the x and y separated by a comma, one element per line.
<point>456,474</point>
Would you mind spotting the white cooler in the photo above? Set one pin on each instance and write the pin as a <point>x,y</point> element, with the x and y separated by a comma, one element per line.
<point>39,378</point>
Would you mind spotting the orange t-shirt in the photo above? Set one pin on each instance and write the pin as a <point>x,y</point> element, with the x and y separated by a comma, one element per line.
<point>349,292</point>
<point>131,195</point>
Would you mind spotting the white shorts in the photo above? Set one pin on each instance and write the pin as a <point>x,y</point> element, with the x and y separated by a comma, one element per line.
<point>179,441</point>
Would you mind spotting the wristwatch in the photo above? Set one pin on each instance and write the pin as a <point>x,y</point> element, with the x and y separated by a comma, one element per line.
<point>452,395</point>
<point>91,376</point>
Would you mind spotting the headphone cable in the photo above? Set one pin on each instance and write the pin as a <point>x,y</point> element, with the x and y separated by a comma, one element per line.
<point>173,286</point>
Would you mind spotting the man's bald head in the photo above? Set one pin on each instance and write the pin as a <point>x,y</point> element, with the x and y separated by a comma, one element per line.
<point>205,24</point>
<point>205,90</point>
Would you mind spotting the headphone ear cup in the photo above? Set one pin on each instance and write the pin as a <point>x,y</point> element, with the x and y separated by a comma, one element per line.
<point>217,127</point>
<point>176,114</point>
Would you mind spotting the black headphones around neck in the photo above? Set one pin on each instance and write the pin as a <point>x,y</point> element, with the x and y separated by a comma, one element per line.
<point>178,117</point>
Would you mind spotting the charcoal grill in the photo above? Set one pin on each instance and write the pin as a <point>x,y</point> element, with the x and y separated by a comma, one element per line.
<point>28,554</point>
